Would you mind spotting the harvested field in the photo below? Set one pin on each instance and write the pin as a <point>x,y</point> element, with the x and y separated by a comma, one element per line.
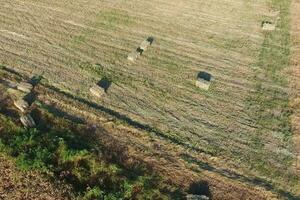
<point>237,132</point>
<point>295,80</point>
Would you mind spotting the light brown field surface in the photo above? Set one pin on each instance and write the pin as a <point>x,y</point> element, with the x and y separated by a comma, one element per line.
<point>218,134</point>
<point>295,78</point>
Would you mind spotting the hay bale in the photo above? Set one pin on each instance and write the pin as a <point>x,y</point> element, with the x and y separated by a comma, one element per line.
<point>8,83</point>
<point>24,87</point>
<point>145,44</point>
<point>204,80</point>
<point>97,91</point>
<point>133,56</point>
<point>196,197</point>
<point>21,105</point>
<point>27,121</point>
<point>268,26</point>
<point>202,84</point>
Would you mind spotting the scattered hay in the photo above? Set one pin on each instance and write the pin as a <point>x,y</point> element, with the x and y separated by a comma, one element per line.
<point>268,26</point>
<point>24,87</point>
<point>204,80</point>
<point>27,121</point>
<point>21,105</point>
<point>97,91</point>
<point>133,56</point>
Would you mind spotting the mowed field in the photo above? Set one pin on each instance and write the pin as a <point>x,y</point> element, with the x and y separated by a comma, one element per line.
<point>241,123</point>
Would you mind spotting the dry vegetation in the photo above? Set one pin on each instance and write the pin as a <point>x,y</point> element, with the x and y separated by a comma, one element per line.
<point>237,135</point>
<point>295,79</point>
<point>18,185</point>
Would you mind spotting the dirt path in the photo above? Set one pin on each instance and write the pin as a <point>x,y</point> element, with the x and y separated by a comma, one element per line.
<point>295,78</point>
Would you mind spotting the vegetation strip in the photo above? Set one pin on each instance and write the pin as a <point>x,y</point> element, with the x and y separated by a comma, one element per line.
<point>93,174</point>
<point>270,106</point>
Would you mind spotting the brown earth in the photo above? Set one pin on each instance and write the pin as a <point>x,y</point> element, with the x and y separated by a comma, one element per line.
<point>17,185</point>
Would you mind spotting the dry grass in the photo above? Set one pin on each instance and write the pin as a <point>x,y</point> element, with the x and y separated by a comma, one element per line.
<point>74,44</point>
<point>159,88</point>
<point>17,185</point>
<point>295,80</point>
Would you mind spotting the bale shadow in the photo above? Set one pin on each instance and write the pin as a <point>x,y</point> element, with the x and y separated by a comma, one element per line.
<point>150,39</point>
<point>105,83</point>
<point>58,113</point>
<point>204,75</point>
<point>233,175</point>
<point>35,80</point>
<point>31,97</point>
<point>200,188</point>
<point>139,50</point>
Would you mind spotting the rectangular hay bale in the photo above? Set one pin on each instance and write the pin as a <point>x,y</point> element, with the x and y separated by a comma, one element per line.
<point>144,45</point>
<point>133,56</point>
<point>21,105</point>
<point>27,121</point>
<point>24,87</point>
<point>268,26</point>
<point>97,91</point>
<point>204,80</point>
<point>202,84</point>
